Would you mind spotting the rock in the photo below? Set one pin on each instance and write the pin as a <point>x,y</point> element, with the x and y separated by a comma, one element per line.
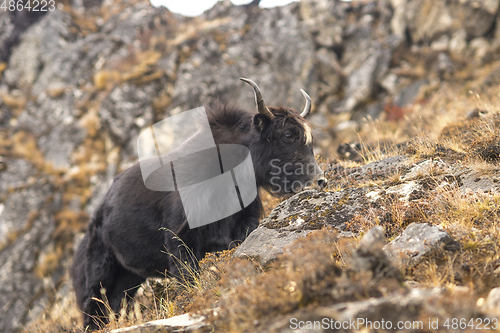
<point>53,124</point>
<point>359,315</point>
<point>28,203</point>
<point>493,79</point>
<point>492,302</point>
<point>373,239</point>
<point>267,245</point>
<point>21,290</point>
<point>426,168</point>
<point>182,323</point>
<point>299,215</point>
<point>265,48</point>
<point>12,26</point>
<point>321,131</point>
<point>325,20</point>
<point>395,307</point>
<point>458,43</point>
<point>369,256</point>
<point>382,168</point>
<point>351,151</point>
<point>417,241</point>
<point>444,65</point>
<point>406,95</point>
<point>39,51</point>
<point>390,83</point>
<point>16,173</point>
<point>311,210</point>
<point>363,58</point>
<point>473,181</point>
<point>440,44</point>
<point>19,208</point>
<point>366,69</point>
<point>476,113</point>
<point>329,72</point>
<point>398,23</point>
<point>480,46</point>
<point>428,20</point>
<point>126,111</point>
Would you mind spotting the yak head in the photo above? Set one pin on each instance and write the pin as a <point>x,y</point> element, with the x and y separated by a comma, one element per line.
<point>282,148</point>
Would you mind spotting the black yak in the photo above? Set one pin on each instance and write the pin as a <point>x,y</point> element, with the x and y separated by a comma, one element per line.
<point>132,230</point>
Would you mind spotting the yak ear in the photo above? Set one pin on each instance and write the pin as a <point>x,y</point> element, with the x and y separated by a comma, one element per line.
<point>261,122</point>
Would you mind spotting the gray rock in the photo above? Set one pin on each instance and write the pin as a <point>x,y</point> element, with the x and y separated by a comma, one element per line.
<point>351,151</point>
<point>473,181</point>
<point>392,308</point>
<point>395,307</point>
<point>382,168</point>
<point>429,20</point>
<point>182,323</point>
<point>310,210</point>
<point>12,26</point>
<point>20,288</point>
<point>325,20</point>
<point>369,66</point>
<point>374,238</point>
<point>329,72</point>
<point>417,241</point>
<point>426,168</point>
<point>458,43</point>
<point>297,216</point>
<point>265,49</point>
<point>492,302</point>
<point>441,44</point>
<point>126,110</point>
<point>28,203</point>
<point>6,38</point>
<point>406,96</point>
<point>37,49</point>
<point>17,210</point>
<point>267,245</point>
<point>53,123</point>
<point>480,47</point>
<point>15,173</point>
<point>444,65</point>
<point>369,256</point>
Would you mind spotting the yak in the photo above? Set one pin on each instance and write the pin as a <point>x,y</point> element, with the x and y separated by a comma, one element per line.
<point>133,228</point>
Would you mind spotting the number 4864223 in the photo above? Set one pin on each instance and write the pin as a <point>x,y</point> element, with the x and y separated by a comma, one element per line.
<point>29,5</point>
<point>478,323</point>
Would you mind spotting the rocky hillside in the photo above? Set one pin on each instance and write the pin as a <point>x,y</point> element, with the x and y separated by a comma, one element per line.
<point>406,90</point>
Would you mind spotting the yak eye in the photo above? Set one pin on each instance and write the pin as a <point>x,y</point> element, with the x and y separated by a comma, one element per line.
<point>288,137</point>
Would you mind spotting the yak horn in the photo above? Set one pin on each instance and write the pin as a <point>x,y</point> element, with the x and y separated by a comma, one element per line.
<point>307,108</point>
<point>261,105</point>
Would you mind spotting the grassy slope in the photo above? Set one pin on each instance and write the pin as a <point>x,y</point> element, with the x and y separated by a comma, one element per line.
<point>247,293</point>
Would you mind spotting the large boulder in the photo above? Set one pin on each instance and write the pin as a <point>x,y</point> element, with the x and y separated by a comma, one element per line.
<point>417,241</point>
<point>297,216</point>
<point>428,20</point>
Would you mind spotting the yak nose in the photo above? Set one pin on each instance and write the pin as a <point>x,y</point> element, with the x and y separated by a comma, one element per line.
<point>322,182</point>
<point>319,183</point>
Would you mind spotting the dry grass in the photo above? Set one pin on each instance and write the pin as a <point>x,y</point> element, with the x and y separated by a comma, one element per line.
<point>249,296</point>
<point>472,219</point>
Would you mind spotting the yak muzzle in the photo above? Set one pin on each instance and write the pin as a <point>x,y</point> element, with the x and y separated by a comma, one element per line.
<point>319,183</point>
